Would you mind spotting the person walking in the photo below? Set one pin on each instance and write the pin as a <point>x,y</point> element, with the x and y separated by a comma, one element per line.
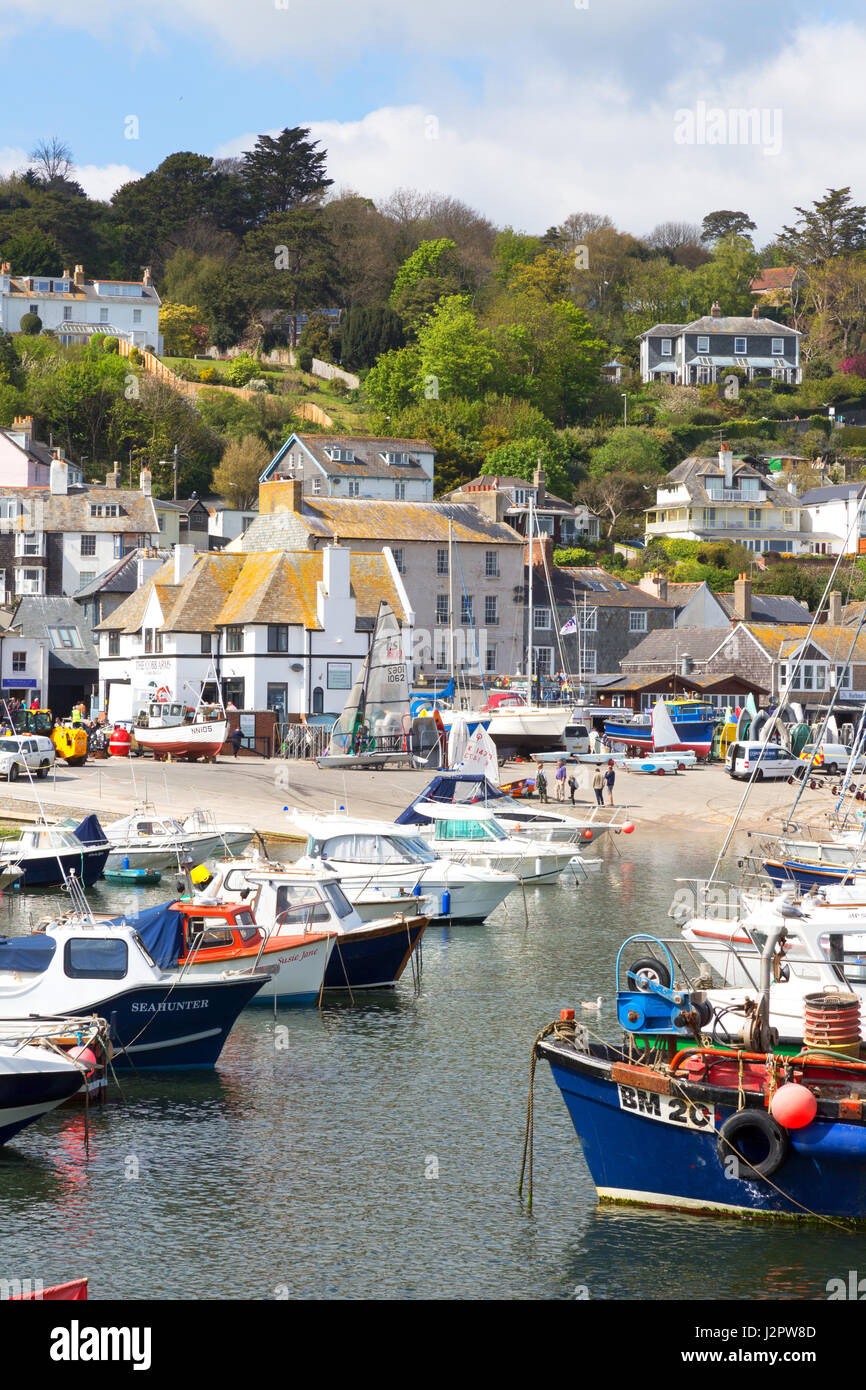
<point>598,785</point>
<point>560,776</point>
<point>541,784</point>
<point>609,779</point>
<point>572,786</point>
<point>237,740</point>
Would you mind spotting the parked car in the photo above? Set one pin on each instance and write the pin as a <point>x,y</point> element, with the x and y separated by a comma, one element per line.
<point>775,761</point>
<point>23,755</point>
<point>831,758</point>
<point>575,738</point>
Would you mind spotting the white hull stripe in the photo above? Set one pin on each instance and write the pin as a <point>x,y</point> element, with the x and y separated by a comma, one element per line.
<point>173,1042</point>
<point>662,1199</point>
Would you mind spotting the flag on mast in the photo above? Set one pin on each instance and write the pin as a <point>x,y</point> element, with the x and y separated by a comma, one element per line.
<point>569,627</point>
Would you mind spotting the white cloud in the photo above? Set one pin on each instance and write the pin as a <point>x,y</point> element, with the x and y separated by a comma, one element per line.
<point>595,146</point>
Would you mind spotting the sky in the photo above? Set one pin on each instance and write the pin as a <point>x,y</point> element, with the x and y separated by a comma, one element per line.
<point>528,112</point>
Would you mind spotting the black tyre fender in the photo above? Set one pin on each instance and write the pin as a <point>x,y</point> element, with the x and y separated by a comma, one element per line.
<point>762,1128</point>
<point>43,770</point>
<point>759,774</point>
<point>832,768</point>
<point>648,966</point>
<point>14,772</point>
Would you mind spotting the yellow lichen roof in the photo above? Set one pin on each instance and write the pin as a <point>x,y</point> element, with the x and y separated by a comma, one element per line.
<point>127,616</point>
<point>204,592</point>
<point>781,639</point>
<point>281,587</point>
<point>364,518</point>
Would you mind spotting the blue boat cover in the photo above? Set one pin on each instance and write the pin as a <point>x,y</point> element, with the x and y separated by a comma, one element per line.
<point>161,930</point>
<point>28,955</point>
<point>90,832</point>
<point>451,788</point>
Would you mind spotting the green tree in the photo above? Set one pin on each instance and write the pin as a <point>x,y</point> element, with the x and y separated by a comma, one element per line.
<point>550,354</point>
<point>719,225</point>
<point>394,382</point>
<point>367,333</point>
<point>832,226</point>
<point>512,249</point>
<point>431,273</point>
<point>284,172</point>
<point>242,464</point>
<point>520,457</point>
<point>457,356</point>
<point>289,263</point>
<point>317,338</point>
<point>176,324</point>
<point>31,251</point>
<point>31,324</point>
<point>629,449</point>
<point>725,279</point>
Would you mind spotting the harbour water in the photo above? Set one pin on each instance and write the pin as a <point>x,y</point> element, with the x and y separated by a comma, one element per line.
<point>372,1149</point>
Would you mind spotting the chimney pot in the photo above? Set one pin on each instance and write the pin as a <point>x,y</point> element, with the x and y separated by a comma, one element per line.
<point>146,482</point>
<point>834,608</point>
<point>715,310</point>
<point>756,311</point>
<point>743,598</point>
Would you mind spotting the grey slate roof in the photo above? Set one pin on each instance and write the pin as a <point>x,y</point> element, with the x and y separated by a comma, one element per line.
<point>832,493</point>
<point>709,324</point>
<point>121,577</point>
<point>670,645</point>
<point>571,584</point>
<point>35,615</point>
<point>692,469</point>
<point>367,462</point>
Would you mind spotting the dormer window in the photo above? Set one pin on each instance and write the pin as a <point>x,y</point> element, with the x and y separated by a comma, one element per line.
<point>391,457</point>
<point>340,455</point>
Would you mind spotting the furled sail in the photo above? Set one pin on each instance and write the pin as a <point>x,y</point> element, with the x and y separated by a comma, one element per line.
<point>377,710</point>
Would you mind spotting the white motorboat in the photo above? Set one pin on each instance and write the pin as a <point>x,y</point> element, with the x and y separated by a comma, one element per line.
<point>528,819</point>
<point>473,835</point>
<point>288,898</point>
<point>158,1017</point>
<point>33,1080</point>
<point>44,855</point>
<point>145,840</point>
<point>373,855</point>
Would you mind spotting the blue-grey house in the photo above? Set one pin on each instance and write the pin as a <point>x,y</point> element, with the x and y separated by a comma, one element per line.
<point>706,350</point>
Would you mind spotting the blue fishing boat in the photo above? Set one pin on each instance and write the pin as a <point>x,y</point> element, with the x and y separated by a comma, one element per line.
<point>785,872</point>
<point>694,723</point>
<point>666,1121</point>
<point>46,854</point>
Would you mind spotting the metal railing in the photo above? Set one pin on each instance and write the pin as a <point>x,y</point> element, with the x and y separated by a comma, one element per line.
<point>305,741</point>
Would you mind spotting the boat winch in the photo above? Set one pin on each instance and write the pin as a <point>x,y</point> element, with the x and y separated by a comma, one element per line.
<point>651,1004</point>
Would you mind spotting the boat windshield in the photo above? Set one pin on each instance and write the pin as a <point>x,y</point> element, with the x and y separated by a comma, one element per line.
<point>338,900</point>
<point>469,830</point>
<point>361,848</point>
<point>415,849</point>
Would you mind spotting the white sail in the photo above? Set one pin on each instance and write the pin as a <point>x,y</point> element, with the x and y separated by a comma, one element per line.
<point>664,733</point>
<point>479,756</point>
<point>458,738</point>
<point>377,709</point>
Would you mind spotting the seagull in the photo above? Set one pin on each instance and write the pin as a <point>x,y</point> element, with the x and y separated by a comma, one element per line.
<point>589,1005</point>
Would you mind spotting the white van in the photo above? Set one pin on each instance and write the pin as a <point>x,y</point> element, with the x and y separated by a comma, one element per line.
<point>831,758</point>
<point>576,739</point>
<point>775,761</point>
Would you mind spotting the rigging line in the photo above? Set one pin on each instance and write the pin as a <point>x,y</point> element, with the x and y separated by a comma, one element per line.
<point>824,723</point>
<point>784,696</point>
<point>471,621</point>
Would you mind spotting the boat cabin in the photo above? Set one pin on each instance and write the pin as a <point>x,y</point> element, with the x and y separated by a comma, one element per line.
<point>283,899</point>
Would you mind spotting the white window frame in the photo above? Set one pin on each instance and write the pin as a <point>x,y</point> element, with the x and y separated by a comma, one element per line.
<point>777,347</point>
<point>542,665</point>
<point>666,347</point>
<point>637,619</point>
<point>705,350</point>
<point>741,351</point>
<point>541,619</point>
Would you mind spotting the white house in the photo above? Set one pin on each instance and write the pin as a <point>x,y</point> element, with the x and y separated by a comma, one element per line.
<point>281,630</point>
<point>837,517</point>
<point>705,499</point>
<point>342,465</point>
<point>23,667</point>
<point>75,307</point>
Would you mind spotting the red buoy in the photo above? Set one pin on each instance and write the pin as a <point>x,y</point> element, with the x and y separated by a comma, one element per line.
<point>628,828</point>
<point>587,834</point>
<point>793,1106</point>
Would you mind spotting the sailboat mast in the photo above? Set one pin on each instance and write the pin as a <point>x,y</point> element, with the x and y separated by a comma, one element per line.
<point>451,603</point>
<point>529,613</point>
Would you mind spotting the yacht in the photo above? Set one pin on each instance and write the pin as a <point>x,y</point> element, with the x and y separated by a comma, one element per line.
<point>375,857</point>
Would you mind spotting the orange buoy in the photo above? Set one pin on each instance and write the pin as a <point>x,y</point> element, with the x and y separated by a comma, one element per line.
<point>628,828</point>
<point>793,1106</point>
<point>565,1015</point>
<point>587,834</point>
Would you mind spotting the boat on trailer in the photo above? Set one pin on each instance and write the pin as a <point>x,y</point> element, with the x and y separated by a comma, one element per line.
<point>168,730</point>
<point>693,723</point>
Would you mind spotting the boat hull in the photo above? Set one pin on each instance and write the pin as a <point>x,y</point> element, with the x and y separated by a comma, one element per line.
<point>184,1024</point>
<point>442,901</point>
<point>784,872</point>
<point>43,871</point>
<point>185,740</point>
<point>31,1086</point>
<point>694,734</point>
<point>375,956</point>
<point>654,1149</point>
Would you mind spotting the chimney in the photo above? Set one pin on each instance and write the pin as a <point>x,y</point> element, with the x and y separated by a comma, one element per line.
<point>834,608</point>
<point>113,479</point>
<point>686,665</point>
<point>146,278</point>
<point>715,310</point>
<point>336,570</point>
<point>78,277</point>
<point>539,481</point>
<point>743,599</point>
<point>655,583</point>
<point>541,550</point>
<point>756,311</point>
<point>59,478</point>
<point>6,268</point>
<point>726,464</point>
<point>145,482</point>
<point>184,557</point>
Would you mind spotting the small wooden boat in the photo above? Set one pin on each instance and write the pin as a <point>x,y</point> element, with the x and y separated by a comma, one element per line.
<point>142,878</point>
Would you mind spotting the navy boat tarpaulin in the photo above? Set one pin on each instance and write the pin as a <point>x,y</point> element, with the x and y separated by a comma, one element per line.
<point>161,930</point>
<point>90,832</point>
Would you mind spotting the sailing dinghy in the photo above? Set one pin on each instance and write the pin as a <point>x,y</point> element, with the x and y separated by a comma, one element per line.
<point>375,724</point>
